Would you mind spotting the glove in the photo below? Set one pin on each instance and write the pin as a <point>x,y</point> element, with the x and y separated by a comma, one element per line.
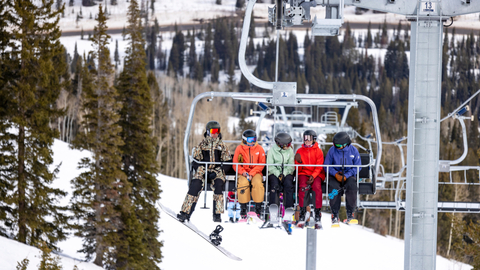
<point>281,176</point>
<point>212,175</point>
<point>298,158</point>
<point>340,177</point>
<point>310,180</point>
<point>240,158</point>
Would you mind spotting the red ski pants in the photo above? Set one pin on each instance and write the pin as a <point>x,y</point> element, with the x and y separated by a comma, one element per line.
<point>316,186</point>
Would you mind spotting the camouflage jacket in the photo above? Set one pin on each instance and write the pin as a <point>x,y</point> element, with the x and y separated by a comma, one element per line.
<point>211,150</point>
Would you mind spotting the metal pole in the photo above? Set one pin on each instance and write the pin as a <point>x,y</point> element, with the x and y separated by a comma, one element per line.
<point>311,261</point>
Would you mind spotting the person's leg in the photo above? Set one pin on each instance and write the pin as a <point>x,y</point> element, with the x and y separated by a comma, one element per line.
<point>334,185</point>
<point>230,209</point>
<point>258,190</point>
<point>273,187</point>
<point>237,210</point>
<point>317,187</point>
<point>190,201</point>
<point>288,189</point>
<point>243,187</point>
<point>218,200</point>
<point>351,195</point>
<point>302,183</point>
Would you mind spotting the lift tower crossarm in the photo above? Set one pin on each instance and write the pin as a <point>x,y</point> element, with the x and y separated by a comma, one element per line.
<point>449,8</point>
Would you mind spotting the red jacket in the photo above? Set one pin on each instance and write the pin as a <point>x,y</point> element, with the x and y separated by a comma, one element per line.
<point>311,155</point>
<point>250,154</point>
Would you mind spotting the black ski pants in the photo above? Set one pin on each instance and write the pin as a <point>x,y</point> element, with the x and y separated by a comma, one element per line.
<point>350,191</point>
<point>275,186</point>
<point>197,185</point>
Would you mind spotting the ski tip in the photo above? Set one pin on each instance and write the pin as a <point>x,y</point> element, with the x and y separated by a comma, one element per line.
<point>335,225</point>
<point>353,221</point>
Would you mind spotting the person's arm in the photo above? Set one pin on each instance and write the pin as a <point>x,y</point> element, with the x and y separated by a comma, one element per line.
<point>329,161</point>
<point>241,170</point>
<point>355,161</point>
<point>289,169</point>
<point>319,170</point>
<point>300,168</point>
<point>261,159</point>
<point>226,156</point>
<point>270,160</point>
<point>197,155</point>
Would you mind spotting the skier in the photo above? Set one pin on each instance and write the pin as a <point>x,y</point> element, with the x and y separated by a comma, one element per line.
<point>342,179</point>
<point>281,177</point>
<point>249,175</point>
<point>233,207</point>
<point>310,153</point>
<point>210,149</point>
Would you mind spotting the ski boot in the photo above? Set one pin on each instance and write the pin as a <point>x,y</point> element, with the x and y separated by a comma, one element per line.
<point>350,219</point>
<point>231,220</point>
<point>318,219</point>
<point>301,217</point>
<point>243,212</point>
<point>258,209</point>
<point>335,221</point>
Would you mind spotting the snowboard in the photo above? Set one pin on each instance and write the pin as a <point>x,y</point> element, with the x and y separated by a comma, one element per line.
<point>192,227</point>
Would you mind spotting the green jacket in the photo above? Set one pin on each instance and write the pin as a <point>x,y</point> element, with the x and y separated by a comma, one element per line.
<point>279,156</point>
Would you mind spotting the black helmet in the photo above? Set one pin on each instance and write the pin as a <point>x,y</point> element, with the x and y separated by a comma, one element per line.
<point>211,125</point>
<point>248,134</point>
<point>311,133</point>
<point>341,138</point>
<point>283,140</point>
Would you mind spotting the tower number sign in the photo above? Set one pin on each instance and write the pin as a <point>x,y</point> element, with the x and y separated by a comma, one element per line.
<point>427,7</point>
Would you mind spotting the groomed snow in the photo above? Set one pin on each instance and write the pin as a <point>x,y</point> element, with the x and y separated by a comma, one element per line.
<point>350,247</point>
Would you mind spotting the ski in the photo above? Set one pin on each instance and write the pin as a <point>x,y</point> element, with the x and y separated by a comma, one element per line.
<point>287,220</point>
<point>214,238</point>
<point>351,222</point>
<point>252,216</point>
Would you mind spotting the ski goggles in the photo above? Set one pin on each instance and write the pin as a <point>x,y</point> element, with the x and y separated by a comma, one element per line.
<point>340,145</point>
<point>308,138</point>
<point>214,131</point>
<point>284,145</point>
<point>250,139</point>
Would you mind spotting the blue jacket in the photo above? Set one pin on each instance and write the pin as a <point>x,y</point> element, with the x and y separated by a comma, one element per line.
<point>349,154</point>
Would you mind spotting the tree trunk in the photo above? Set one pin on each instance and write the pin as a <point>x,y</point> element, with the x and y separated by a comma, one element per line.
<point>22,219</point>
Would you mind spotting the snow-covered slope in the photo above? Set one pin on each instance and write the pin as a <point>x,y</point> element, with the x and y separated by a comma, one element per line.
<point>345,248</point>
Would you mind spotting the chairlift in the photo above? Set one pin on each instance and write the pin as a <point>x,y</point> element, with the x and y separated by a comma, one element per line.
<point>284,94</point>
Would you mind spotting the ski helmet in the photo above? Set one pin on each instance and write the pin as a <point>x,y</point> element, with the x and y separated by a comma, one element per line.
<point>341,139</point>
<point>249,136</point>
<point>311,133</point>
<point>283,140</point>
<point>212,127</point>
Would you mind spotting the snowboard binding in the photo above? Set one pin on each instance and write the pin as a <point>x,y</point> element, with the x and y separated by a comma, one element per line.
<point>215,236</point>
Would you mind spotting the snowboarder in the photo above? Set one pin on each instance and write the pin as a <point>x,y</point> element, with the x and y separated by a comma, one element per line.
<point>281,177</point>
<point>250,175</point>
<point>233,207</point>
<point>342,179</point>
<point>310,153</point>
<point>210,149</point>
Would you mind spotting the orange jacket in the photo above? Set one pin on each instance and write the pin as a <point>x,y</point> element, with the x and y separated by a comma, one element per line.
<point>311,155</point>
<point>250,154</point>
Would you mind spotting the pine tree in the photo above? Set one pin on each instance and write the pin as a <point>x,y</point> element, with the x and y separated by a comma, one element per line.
<point>140,249</point>
<point>47,261</point>
<point>101,191</point>
<point>192,56</point>
<point>116,55</point>
<point>31,64</point>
